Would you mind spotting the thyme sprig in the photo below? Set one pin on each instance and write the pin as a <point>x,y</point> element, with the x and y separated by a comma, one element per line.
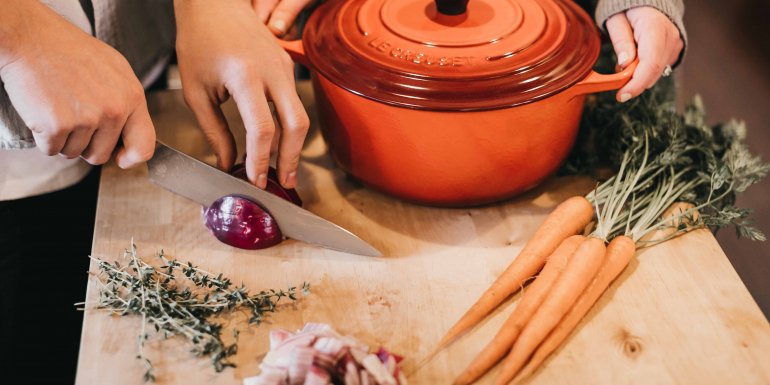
<point>184,307</point>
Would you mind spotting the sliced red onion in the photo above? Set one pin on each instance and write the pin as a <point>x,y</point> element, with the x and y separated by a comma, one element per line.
<point>301,362</point>
<point>384,354</point>
<point>277,336</point>
<point>240,222</point>
<point>329,346</point>
<point>374,366</point>
<point>351,375</point>
<point>317,354</point>
<point>317,376</point>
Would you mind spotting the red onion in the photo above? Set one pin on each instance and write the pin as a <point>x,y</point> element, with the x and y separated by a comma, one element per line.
<point>240,222</point>
<point>318,355</point>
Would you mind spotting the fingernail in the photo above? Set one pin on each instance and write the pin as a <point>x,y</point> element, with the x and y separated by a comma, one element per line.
<point>262,181</point>
<point>624,97</point>
<point>623,58</point>
<point>279,25</point>
<point>291,180</point>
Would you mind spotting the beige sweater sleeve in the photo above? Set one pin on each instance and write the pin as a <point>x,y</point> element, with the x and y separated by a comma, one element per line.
<point>674,9</point>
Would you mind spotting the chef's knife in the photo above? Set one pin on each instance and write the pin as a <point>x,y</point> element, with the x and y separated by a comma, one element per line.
<point>195,180</point>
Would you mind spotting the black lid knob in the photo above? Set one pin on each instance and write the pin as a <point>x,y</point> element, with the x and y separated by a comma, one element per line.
<point>452,7</point>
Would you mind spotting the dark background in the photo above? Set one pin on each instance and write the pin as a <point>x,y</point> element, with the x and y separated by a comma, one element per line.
<point>728,64</point>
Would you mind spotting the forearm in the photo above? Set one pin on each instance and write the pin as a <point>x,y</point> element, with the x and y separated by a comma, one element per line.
<point>12,15</point>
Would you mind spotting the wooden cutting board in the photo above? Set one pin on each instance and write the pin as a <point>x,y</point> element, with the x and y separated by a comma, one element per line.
<point>678,315</point>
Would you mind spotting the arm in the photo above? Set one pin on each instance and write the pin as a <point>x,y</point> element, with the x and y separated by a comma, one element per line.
<point>77,95</point>
<point>650,29</point>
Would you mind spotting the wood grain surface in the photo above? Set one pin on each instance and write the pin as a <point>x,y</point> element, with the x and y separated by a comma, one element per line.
<point>678,315</point>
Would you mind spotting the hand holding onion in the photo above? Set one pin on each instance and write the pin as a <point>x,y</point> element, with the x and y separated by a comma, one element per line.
<point>225,51</point>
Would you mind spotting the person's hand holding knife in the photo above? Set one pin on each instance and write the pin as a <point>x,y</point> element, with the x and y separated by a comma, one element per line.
<point>76,94</point>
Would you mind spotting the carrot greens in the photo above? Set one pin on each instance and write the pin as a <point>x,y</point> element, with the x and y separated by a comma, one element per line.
<point>677,158</point>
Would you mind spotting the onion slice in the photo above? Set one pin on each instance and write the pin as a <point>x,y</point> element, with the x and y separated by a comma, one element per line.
<point>317,354</point>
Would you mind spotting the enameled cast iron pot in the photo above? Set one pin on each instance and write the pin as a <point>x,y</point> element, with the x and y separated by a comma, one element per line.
<point>451,102</point>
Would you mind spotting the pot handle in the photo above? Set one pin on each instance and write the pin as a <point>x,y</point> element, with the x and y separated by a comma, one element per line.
<point>596,82</point>
<point>296,50</point>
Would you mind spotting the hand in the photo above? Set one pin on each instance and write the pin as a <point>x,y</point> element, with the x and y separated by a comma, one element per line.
<point>226,51</point>
<point>76,94</point>
<point>279,15</point>
<point>657,39</point>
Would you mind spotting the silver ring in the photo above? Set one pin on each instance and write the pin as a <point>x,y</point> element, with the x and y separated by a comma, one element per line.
<point>667,71</point>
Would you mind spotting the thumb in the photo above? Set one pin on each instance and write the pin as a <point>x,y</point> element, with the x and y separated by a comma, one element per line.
<point>622,36</point>
<point>138,139</point>
<point>284,14</point>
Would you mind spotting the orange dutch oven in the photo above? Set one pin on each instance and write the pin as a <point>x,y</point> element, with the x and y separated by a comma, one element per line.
<point>451,103</point>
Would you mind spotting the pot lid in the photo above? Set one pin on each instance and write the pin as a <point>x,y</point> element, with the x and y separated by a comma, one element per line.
<point>452,54</point>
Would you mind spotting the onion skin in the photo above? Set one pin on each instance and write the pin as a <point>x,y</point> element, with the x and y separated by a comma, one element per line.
<point>239,222</point>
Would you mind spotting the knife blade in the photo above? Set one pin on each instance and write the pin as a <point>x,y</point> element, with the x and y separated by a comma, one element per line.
<point>186,176</point>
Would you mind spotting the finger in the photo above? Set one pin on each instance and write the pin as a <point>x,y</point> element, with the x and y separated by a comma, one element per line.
<point>50,132</point>
<point>651,64</point>
<point>264,8</point>
<point>103,142</point>
<point>622,36</point>
<point>138,138</point>
<point>255,112</point>
<point>284,14</point>
<point>77,141</point>
<point>215,128</point>
<point>49,143</point>
<point>675,47</point>
<point>294,125</point>
<point>276,139</point>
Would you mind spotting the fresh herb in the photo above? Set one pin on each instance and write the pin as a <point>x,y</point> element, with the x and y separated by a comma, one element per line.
<point>175,308</point>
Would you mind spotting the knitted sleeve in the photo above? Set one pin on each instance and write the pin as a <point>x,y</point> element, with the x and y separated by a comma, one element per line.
<point>674,9</point>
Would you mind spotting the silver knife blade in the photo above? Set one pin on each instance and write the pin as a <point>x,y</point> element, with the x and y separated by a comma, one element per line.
<point>202,183</point>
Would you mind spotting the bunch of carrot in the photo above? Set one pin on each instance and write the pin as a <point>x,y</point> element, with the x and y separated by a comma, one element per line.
<point>575,270</point>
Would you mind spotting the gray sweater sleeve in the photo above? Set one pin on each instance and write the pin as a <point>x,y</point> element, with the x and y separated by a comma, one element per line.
<point>674,9</point>
<point>13,132</point>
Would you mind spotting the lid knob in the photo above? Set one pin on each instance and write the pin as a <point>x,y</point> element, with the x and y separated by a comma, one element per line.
<point>452,7</point>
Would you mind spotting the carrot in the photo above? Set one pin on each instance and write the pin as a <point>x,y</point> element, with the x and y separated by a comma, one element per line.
<point>619,253</point>
<point>578,274</point>
<point>569,218</point>
<point>528,304</point>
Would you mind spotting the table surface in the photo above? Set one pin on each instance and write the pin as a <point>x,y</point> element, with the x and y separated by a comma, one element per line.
<point>678,315</point>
